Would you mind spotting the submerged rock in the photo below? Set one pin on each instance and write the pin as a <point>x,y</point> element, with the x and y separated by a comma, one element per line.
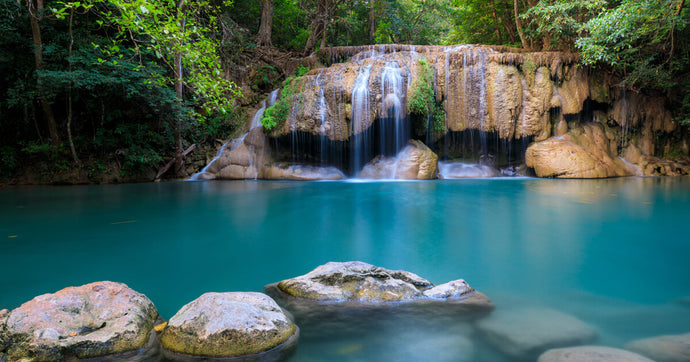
<point>360,282</point>
<point>526,333</point>
<point>582,153</point>
<point>301,173</point>
<point>93,320</point>
<point>670,348</point>
<point>228,325</point>
<point>465,170</point>
<point>590,354</point>
<point>414,162</point>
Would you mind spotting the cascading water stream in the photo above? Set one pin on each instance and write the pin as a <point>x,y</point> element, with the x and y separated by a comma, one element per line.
<point>323,116</point>
<point>394,131</point>
<point>361,119</point>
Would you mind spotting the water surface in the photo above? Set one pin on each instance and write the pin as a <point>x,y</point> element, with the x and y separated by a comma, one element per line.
<point>613,253</point>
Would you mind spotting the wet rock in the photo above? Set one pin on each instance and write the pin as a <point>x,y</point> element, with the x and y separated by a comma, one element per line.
<point>355,281</point>
<point>581,153</point>
<point>671,348</point>
<point>414,162</point>
<point>465,170</point>
<point>301,173</point>
<point>228,325</point>
<point>93,320</point>
<point>526,333</point>
<point>646,165</point>
<point>590,354</point>
<point>359,282</point>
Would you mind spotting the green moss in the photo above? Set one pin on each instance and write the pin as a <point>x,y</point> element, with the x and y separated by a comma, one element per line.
<point>529,68</point>
<point>422,106</point>
<point>278,113</point>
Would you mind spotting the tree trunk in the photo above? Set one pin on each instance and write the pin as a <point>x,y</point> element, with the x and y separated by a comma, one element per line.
<point>181,15</point>
<point>35,8</point>
<point>497,24</point>
<point>317,26</point>
<point>372,21</point>
<point>519,26</point>
<point>266,23</point>
<point>75,158</point>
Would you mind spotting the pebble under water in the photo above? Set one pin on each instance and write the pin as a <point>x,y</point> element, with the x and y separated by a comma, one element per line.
<point>611,253</point>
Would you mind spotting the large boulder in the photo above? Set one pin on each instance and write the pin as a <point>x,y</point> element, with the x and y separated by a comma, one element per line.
<point>414,162</point>
<point>93,320</point>
<point>670,348</point>
<point>359,282</point>
<point>526,333</point>
<point>585,152</point>
<point>228,325</point>
<point>590,354</point>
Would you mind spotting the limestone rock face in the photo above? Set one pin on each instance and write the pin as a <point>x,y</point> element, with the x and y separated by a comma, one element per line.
<point>574,90</point>
<point>92,320</point>
<point>671,348</point>
<point>581,153</point>
<point>526,333</point>
<point>414,162</point>
<point>360,282</point>
<point>227,325</point>
<point>590,354</point>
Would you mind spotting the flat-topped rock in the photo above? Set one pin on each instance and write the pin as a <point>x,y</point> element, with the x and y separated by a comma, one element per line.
<point>360,282</point>
<point>228,325</point>
<point>93,320</point>
<point>670,348</point>
<point>591,354</point>
<point>526,333</point>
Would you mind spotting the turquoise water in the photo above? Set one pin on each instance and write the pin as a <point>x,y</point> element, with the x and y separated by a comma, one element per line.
<point>613,253</point>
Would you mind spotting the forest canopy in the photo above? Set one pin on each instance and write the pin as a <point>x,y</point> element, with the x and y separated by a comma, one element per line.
<point>132,85</point>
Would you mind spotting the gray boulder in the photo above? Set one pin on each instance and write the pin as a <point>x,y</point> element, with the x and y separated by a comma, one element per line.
<point>4,313</point>
<point>228,325</point>
<point>591,354</point>
<point>359,282</point>
<point>93,320</point>
<point>526,333</point>
<point>670,348</point>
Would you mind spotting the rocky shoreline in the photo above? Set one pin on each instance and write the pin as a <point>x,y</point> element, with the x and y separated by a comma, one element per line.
<point>109,321</point>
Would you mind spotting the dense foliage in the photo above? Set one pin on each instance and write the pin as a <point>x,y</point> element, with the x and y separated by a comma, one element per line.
<point>123,86</point>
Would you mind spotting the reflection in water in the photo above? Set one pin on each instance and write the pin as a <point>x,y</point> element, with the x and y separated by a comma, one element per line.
<point>610,252</point>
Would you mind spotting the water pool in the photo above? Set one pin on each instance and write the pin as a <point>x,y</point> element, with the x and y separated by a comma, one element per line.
<point>613,253</point>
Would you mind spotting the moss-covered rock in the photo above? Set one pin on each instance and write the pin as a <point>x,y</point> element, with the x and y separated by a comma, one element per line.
<point>228,325</point>
<point>92,320</point>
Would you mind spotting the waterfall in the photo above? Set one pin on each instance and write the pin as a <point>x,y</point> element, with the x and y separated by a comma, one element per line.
<point>323,116</point>
<point>394,130</point>
<point>361,119</point>
<point>625,124</point>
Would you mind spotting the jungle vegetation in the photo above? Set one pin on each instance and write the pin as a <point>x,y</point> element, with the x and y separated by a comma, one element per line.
<point>125,90</point>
